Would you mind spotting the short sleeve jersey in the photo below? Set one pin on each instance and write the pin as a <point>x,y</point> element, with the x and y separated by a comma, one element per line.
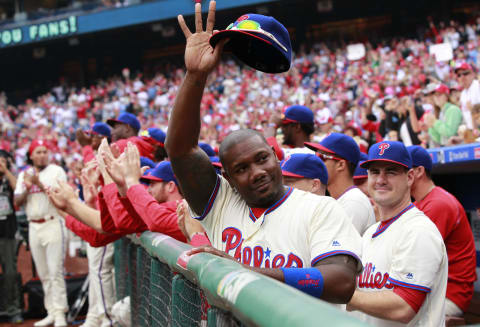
<point>38,206</point>
<point>299,230</point>
<point>358,208</point>
<point>408,251</point>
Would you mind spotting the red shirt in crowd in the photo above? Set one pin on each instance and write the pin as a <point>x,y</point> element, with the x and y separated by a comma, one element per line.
<point>450,218</point>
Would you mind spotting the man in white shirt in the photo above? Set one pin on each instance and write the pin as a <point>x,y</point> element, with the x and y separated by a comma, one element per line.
<point>47,234</point>
<point>470,95</point>
<point>341,155</point>
<point>405,273</point>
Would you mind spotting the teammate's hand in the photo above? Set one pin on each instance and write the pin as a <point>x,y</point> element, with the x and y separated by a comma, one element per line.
<point>114,168</point>
<point>90,191</point>
<point>131,165</point>
<point>211,250</point>
<point>186,223</point>
<point>200,57</point>
<point>103,148</point>
<point>62,195</point>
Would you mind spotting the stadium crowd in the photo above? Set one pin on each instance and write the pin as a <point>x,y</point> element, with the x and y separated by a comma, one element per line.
<point>398,97</point>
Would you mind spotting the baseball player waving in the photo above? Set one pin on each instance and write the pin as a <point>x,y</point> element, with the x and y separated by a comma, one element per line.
<point>252,216</point>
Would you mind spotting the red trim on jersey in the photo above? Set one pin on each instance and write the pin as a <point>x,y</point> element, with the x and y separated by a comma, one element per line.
<point>414,298</point>
<point>257,212</point>
<point>385,224</point>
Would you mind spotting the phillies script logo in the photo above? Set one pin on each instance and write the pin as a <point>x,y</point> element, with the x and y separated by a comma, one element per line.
<point>371,279</point>
<point>382,148</point>
<point>257,257</point>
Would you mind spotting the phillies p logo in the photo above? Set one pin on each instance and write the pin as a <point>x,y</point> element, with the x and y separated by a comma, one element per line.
<point>382,148</point>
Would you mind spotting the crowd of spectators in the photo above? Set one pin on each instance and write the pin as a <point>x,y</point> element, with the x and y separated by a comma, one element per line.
<point>385,95</point>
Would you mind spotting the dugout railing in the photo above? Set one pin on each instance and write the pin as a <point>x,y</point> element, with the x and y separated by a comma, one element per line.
<point>167,289</point>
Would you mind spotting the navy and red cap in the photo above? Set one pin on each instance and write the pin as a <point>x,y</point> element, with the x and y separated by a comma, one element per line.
<point>155,134</point>
<point>298,114</point>
<point>146,162</point>
<point>388,151</point>
<point>161,173</point>
<point>207,149</point>
<point>261,42</point>
<point>125,118</point>
<point>304,165</point>
<point>341,145</point>
<point>420,157</point>
<point>100,128</point>
<point>359,171</point>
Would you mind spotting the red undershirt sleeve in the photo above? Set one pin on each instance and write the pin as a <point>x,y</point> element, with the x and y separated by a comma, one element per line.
<point>89,234</point>
<point>414,298</point>
<point>121,218</point>
<point>159,217</point>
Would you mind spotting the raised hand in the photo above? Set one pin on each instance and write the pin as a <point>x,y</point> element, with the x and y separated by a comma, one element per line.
<point>131,165</point>
<point>62,195</point>
<point>102,150</point>
<point>90,191</point>
<point>200,57</point>
<point>114,168</point>
<point>186,223</point>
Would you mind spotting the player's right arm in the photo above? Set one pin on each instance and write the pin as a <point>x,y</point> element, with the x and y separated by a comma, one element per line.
<point>190,164</point>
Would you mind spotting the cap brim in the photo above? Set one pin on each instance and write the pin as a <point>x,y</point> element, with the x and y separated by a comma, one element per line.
<point>151,178</point>
<point>254,49</point>
<point>289,174</point>
<point>112,122</point>
<point>360,176</point>
<point>366,163</point>
<point>316,146</point>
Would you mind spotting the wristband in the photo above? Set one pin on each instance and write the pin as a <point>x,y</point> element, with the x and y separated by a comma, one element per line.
<point>307,280</point>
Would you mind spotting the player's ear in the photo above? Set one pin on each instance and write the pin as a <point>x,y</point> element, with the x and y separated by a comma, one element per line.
<point>316,186</point>
<point>410,177</point>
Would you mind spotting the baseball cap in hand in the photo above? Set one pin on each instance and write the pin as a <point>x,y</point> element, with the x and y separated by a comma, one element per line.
<point>420,157</point>
<point>100,128</point>
<point>342,145</point>
<point>126,118</point>
<point>297,114</point>
<point>161,173</point>
<point>388,151</point>
<point>259,41</point>
<point>304,165</point>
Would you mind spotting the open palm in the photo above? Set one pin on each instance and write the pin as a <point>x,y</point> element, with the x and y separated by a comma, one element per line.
<point>200,57</point>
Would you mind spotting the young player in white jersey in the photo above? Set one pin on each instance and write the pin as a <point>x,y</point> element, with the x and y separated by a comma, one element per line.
<point>272,227</point>
<point>341,155</point>
<point>46,230</point>
<point>405,262</point>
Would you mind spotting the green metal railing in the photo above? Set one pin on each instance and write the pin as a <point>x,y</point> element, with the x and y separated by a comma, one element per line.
<point>166,292</point>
